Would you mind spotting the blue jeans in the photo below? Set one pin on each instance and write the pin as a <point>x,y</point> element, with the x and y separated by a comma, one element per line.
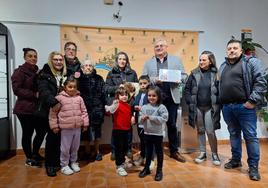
<point>239,118</point>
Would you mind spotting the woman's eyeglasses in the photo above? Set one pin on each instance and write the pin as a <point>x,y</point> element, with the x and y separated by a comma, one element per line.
<point>57,59</point>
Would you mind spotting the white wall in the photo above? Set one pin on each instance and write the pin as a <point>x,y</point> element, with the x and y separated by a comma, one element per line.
<point>218,19</point>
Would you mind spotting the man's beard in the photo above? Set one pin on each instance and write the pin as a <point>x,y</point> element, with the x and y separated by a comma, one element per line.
<point>233,59</point>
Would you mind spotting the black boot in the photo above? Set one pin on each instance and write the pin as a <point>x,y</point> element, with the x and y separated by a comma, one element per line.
<point>158,175</point>
<point>51,171</point>
<point>254,173</point>
<point>144,172</point>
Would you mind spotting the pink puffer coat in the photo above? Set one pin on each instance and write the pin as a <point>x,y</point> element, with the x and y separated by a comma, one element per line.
<point>73,112</point>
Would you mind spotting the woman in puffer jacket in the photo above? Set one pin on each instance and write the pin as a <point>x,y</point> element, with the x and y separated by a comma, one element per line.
<point>201,94</point>
<point>25,88</point>
<point>50,81</point>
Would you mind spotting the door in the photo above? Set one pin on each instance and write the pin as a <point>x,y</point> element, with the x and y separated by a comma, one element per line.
<point>4,95</point>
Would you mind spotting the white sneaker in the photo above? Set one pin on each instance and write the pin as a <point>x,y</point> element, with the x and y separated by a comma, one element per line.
<point>215,159</point>
<point>151,165</point>
<point>139,161</point>
<point>201,157</point>
<point>75,167</point>
<point>121,171</point>
<point>66,170</point>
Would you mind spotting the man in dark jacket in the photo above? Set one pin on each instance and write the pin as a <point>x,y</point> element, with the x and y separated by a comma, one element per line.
<point>242,87</point>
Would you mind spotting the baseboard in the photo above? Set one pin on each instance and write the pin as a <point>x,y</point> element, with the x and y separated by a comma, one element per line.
<point>107,148</point>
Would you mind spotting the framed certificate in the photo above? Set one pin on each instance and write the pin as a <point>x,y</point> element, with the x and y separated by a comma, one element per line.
<point>167,75</point>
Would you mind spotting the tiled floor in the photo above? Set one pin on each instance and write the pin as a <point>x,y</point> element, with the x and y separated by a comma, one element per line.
<point>14,174</point>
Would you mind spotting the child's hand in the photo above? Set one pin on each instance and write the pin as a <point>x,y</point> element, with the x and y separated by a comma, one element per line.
<point>56,108</point>
<point>137,108</point>
<point>56,130</point>
<point>157,81</point>
<point>116,101</point>
<point>133,120</point>
<point>84,129</point>
<point>144,118</point>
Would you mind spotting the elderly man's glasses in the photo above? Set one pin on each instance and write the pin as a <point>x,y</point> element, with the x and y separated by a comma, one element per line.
<point>159,46</point>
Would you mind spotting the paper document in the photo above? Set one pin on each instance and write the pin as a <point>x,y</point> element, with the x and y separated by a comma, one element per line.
<point>167,75</point>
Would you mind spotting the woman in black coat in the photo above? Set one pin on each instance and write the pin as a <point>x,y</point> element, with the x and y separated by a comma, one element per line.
<point>91,86</point>
<point>50,82</point>
<point>118,76</point>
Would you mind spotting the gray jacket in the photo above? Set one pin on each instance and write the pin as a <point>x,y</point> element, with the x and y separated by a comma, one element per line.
<point>158,116</point>
<point>253,77</point>
<point>174,63</point>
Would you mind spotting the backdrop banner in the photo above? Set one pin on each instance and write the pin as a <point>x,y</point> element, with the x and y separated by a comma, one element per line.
<point>102,44</point>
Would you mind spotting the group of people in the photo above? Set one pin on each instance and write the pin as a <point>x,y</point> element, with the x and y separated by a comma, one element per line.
<point>67,97</point>
<point>236,89</point>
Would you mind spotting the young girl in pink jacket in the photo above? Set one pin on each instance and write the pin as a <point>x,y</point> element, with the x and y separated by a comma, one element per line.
<point>71,117</point>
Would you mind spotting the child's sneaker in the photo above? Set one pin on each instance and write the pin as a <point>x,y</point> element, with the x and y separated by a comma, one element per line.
<point>139,161</point>
<point>201,157</point>
<point>151,165</point>
<point>121,171</point>
<point>66,170</point>
<point>75,167</point>
<point>215,159</point>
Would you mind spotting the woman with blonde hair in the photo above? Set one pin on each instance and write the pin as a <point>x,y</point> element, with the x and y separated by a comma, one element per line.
<point>50,83</point>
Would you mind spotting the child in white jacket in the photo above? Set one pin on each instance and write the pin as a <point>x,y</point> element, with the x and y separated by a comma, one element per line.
<point>153,116</point>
